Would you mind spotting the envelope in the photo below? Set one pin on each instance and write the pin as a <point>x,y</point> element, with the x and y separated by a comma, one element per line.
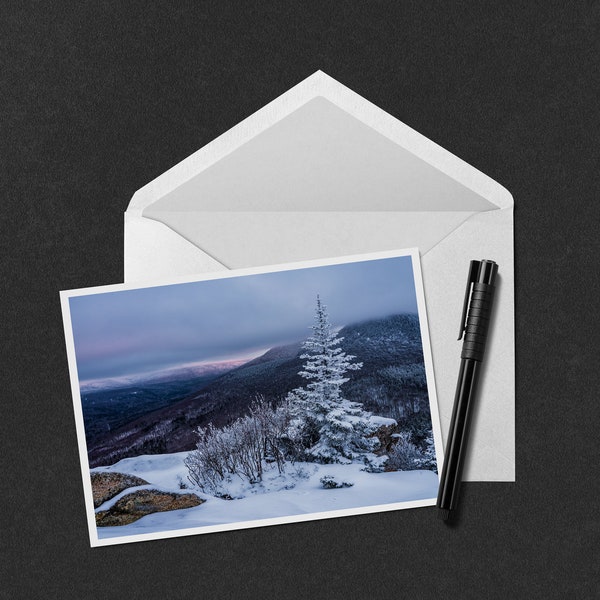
<point>321,172</point>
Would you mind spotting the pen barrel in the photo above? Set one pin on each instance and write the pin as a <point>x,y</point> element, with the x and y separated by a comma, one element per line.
<point>458,435</point>
<point>478,321</point>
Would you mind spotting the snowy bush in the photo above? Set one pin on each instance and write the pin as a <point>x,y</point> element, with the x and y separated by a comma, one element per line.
<point>329,482</point>
<point>300,472</point>
<point>375,464</point>
<point>209,464</point>
<point>404,456</point>
<point>244,448</point>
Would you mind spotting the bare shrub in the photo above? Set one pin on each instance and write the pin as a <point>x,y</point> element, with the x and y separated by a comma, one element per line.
<point>243,448</point>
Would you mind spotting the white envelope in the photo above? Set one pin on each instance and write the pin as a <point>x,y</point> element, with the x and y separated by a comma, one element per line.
<point>321,172</point>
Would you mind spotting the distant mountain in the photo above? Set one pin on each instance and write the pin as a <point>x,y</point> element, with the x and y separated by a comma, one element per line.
<point>278,353</point>
<point>182,372</point>
<point>391,383</point>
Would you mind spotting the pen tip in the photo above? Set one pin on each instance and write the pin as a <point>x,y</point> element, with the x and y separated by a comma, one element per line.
<point>444,513</point>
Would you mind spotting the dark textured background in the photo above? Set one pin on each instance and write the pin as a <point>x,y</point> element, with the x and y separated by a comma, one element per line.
<point>98,98</point>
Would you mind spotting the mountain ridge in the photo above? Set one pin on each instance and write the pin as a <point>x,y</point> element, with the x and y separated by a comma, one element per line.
<point>188,371</point>
<point>391,381</point>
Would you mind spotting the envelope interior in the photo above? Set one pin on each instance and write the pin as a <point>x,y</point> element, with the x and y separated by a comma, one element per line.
<point>317,183</point>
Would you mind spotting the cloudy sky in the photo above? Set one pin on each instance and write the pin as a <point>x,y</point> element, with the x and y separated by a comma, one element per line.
<point>150,329</point>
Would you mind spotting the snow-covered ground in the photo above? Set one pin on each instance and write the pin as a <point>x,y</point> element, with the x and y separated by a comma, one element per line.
<point>296,493</point>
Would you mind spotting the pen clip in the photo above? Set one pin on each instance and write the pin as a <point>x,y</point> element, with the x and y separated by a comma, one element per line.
<point>473,270</point>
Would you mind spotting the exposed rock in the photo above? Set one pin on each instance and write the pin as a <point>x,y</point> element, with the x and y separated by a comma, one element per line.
<point>385,435</point>
<point>134,506</point>
<point>107,485</point>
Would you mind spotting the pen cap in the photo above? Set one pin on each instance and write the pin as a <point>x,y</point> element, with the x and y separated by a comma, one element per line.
<point>482,277</point>
<point>487,272</point>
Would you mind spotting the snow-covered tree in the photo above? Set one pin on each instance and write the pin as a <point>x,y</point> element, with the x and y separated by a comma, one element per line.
<point>333,428</point>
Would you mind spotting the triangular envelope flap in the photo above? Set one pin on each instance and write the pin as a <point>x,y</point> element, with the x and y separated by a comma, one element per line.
<point>260,204</point>
<point>320,158</point>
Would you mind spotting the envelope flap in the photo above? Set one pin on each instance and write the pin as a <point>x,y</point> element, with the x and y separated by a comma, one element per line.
<point>320,146</point>
<point>320,158</point>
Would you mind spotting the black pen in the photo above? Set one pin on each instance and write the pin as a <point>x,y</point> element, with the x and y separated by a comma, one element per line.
<point>474,324</point>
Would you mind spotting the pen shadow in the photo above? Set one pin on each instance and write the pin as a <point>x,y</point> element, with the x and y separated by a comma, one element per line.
<point>454,518</point>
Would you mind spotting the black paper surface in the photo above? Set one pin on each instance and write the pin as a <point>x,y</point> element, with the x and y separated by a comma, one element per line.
<point>99,98</point>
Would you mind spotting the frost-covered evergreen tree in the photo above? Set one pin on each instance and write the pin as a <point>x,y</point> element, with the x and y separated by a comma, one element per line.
<point>333,428</point>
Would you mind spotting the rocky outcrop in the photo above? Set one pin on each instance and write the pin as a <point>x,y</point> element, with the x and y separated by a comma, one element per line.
<point>107,485</point>
<point>134,506</point>
<point>385,435</point>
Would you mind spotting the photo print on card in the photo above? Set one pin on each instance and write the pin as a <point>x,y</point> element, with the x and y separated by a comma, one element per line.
<point>253,397</point>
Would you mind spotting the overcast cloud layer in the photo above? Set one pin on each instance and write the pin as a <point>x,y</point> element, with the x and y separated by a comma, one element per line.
<point>145,330</point>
